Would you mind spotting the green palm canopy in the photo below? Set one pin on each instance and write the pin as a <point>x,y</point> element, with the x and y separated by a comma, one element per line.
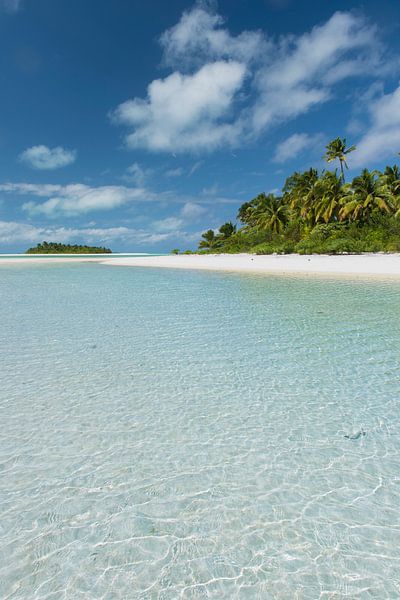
<point>337,150</point>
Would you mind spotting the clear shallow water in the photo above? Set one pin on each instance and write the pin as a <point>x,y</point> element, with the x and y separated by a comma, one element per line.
<point>49,257</point>
<point>175,434</point>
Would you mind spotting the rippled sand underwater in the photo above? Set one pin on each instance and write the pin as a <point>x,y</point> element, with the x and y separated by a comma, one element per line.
<point>176,434</point>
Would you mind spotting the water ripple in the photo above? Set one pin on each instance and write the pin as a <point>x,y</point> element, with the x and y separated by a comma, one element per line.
<point>182,435</point>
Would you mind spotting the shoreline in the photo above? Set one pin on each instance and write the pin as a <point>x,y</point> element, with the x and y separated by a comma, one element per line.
<point>354,265</point>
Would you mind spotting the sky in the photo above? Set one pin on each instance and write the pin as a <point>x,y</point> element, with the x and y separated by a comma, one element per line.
<point>139,125</point>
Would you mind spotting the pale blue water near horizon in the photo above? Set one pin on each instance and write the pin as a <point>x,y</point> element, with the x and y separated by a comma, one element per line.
<point>180,434</point>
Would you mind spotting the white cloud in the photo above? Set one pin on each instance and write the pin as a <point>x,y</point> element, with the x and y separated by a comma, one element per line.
<point>195,167</point>
<point>382,139</point>
<point>295,145</point>
<point>199,36</point>
<point>237,87</point>
<point>10,6</point>
<point>189,212</point>
<point>137,174</point>
<point>192,211</point>
<point>42,157</point>
<point>168,224</point>
<point>74,199</point>
<point>304,68</point>
<point>185,112</point>
<point>212,190</point>
<point>13,232</point>
<point>178,172</point>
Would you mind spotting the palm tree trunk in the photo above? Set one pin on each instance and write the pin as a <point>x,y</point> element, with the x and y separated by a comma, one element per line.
<point>341,168</point>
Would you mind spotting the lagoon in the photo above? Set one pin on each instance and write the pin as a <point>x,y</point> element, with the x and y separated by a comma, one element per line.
<point>170,433</point>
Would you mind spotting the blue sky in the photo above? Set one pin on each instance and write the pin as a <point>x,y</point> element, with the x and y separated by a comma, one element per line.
<point>138,125</point>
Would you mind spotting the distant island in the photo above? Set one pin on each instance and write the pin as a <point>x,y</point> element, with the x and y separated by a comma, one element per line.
<point>56,248</point>
<point>318,213</point>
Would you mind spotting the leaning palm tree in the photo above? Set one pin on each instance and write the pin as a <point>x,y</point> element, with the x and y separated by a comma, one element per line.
<point>365,195</point>
<point>336,150</point>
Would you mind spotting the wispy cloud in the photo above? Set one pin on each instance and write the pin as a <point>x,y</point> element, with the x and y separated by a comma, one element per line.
<point>168,224</point>
<point>231,89</point>
<point>295,145</point>
<point>382,138</point>
<point>197,165</point>
<point>200,37</point>
<point>137,174</point>
<point>10,6</point>
<point>14,232</point>
<point>178,172</point>
<point>74,199</point>
<point>44,158</point>
<point>192,211</point>
<point>305,67</point>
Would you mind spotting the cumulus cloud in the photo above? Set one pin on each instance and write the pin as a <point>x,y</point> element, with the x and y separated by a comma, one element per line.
<point>382,140</point>
<point>74,199</point>
<point>295,145</point>
<point>44,158</point>
<point>231,89</point>
<point>185,112</point>
<point>199,36</point>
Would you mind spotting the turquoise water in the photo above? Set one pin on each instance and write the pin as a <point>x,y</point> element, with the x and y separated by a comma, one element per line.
<point>69,256</point>
<point>179,434</point>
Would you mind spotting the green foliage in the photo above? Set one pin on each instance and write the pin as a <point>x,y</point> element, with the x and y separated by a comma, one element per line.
<point>208,239</point>
<point>337,150</point>
<point>318,213</point>
<point>175,251</point>
<point>226,230</point>
<point>56,248</point>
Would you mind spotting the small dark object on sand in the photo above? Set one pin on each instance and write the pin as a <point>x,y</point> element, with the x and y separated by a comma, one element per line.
<point>356,436</point>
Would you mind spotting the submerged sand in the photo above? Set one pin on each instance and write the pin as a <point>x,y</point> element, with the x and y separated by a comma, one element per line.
<point>372,265</point>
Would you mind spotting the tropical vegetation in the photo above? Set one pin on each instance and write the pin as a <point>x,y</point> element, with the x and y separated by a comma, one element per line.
<point>318,212</point>
<point>56,248</point>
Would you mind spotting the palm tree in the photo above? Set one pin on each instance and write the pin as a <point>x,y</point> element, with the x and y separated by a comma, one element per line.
<point>227,229</point>
<point>271,214</point>
<point>391,178</point>
<point>336,150</point>
<point>329,193</point>
<point>365,195</point>
<point>245,212</point>
<point>208,240</point>
<point>300,192</point>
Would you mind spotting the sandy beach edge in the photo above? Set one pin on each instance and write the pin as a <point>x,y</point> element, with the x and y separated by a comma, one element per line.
<point>364,265</point>
<point>353,265</point>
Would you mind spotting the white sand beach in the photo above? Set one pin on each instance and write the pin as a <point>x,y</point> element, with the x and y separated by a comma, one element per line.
<point>372,265</point>
<point>364,265</point>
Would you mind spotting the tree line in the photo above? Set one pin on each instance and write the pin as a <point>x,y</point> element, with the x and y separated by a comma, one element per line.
<point>318,212</point>
<point>56,248</point>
